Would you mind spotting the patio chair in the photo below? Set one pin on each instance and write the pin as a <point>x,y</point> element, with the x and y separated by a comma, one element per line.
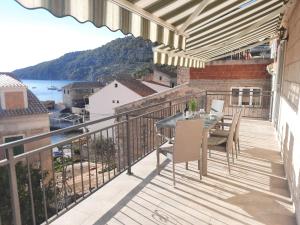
<point>216,106</point>
<point>186,145</point>
<point>225,133</point>
<point>224,144</point>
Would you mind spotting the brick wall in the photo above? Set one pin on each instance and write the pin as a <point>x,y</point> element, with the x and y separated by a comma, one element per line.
<point>14,100</point>
<point>230,71</point>
<point>289,117</point>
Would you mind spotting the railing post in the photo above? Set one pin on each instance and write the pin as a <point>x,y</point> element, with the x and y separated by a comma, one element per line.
<point>13,187</point>
<point>271,106</point>
<point>205,104</point>
<point>128,145</point>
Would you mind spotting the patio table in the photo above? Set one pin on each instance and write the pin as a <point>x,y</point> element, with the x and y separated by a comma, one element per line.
<point>210,120</point>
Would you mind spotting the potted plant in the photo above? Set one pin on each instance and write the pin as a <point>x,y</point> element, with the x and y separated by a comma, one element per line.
<point>193,106</point>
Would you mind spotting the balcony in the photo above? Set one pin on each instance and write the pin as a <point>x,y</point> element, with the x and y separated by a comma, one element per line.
<point>256,191</point>
<point>87,182</point>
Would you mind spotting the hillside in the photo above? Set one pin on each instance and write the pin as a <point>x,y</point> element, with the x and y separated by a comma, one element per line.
<point>121,57</point>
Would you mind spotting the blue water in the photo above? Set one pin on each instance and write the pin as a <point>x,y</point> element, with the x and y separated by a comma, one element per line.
<point>41,89</point>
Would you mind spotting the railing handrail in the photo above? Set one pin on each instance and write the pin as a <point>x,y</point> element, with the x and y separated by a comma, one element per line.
<point>85,124</point>
<point>69,140</point>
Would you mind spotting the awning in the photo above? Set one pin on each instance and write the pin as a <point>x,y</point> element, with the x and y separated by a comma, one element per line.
<point>124,15</point>
<point>190,32</point>
<point>221,28</point>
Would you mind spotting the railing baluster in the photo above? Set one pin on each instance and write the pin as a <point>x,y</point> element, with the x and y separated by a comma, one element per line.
<point>101,154</point>
<point>128,146</point>
<point>73,172</point>
<point>43,188</point>
<point>30,193</point>
<point>81,169</point>
<point>124,153</point>
<point>118,144</point>
<point>54,183</point>
<point>113,147</point>
<point>96,161</point>
<point>13,188</point>
<point>89,164</point>
<point>108,152</point>
<point>64,177</point>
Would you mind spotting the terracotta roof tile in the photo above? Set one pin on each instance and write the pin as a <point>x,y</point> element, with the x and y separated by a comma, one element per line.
<point>83,85</point>
<point>6,80</point>
<point>137,86</point>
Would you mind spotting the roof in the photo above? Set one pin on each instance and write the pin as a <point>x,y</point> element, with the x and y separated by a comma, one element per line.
<point>137,86</point>
<point>154,82</point>
<point>7,80</point>
<point>34,105</point>
<point>190,33</point>
<point>84,84</point>
<point>156,86</point>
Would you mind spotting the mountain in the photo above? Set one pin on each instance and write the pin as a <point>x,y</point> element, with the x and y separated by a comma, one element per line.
<point>126,56</point>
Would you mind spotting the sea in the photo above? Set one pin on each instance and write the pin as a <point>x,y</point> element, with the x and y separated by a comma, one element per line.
<point>40,89</point>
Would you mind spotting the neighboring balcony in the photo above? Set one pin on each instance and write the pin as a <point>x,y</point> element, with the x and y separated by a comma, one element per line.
<point>108,176</point>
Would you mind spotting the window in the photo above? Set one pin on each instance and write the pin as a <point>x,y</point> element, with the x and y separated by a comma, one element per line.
<point>245,96</point>
<point>117,101</point>
<point>116,85</point>
<point>113,101</point>
<point>256,96</point>
<point>172,84</point>
<point>68,92</point>
<point>64,91</point>
<point>92,90</point>
<point>160,78</point>
<point>235,92</point>
<point>17,149</point>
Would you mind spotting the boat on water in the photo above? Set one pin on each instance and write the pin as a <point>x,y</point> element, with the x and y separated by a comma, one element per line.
<point>52,88</point>
<point>33,87</point>
<point>59,89</point>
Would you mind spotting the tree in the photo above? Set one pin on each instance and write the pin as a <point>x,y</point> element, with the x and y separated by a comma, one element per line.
<point>24,195</point>
<point>105,149</point>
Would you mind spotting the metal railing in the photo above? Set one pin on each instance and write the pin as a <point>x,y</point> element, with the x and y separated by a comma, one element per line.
<point>254,105</point>
<point>39,185</point>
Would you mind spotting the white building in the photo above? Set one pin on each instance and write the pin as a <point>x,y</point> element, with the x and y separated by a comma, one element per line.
<point>118,92</point>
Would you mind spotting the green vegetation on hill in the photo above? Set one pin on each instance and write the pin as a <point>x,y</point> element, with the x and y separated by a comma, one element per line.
<point>127,56</point>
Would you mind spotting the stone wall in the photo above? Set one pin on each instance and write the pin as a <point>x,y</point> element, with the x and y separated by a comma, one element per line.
<point>28,126</point>
<point>183,75</point>
<point>289,116</point>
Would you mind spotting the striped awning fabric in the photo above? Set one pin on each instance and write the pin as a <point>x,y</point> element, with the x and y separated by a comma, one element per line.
<point>189,32</point>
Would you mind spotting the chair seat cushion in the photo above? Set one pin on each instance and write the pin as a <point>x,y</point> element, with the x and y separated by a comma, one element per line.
<point>213,141</point>
<point>221,133</point>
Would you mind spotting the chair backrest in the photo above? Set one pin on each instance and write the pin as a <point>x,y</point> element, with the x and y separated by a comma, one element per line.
<point>216,106</point>
<point>232,128</point>
<point>237,127</point>
<point>188,140</point>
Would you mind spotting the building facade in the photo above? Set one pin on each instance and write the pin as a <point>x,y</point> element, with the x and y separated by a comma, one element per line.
<point>76,94</point>
<point>118,92</point>
<point>163,77</point>
<point>22,115</point>
<point>241,83</point>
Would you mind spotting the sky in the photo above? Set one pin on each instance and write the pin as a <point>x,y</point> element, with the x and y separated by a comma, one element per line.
<point>28,37</point>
